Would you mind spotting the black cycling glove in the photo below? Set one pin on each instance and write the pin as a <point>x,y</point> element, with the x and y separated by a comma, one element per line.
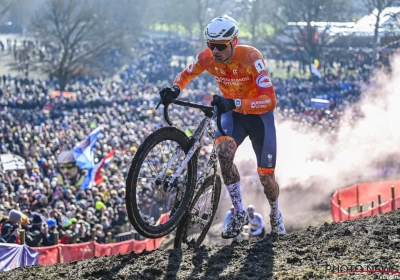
<point>169,94</point>
<point>223,104</point>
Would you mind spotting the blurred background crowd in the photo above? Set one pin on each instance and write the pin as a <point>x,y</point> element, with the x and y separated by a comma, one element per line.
<point>47,195</point>
<point>59,85</point>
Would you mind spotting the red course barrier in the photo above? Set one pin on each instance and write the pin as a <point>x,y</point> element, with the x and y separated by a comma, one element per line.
<point>362,194</point>
<point>62,253</point>
<point>48,255</point>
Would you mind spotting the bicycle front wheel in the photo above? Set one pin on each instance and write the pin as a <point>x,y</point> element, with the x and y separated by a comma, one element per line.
<point>194,226</point>
<point>148,194</point>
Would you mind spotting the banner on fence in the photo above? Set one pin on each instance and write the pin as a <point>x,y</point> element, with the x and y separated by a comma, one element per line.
<point>14,255</point>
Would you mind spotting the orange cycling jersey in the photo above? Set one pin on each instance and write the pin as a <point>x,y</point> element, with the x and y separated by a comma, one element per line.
<point>245,79</point>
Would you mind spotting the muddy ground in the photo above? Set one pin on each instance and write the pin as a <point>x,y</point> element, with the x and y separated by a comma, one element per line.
<point>368,243</point>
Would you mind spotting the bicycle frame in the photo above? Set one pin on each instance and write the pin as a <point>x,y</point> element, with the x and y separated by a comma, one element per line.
<point>198,139</point>
<point>207,124</point>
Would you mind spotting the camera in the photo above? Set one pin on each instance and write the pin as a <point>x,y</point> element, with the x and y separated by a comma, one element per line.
<point>13,227</point>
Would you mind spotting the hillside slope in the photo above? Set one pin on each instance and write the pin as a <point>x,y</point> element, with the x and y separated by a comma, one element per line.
<point>372,242</point>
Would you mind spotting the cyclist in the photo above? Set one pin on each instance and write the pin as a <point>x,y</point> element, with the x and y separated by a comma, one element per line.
<point>257,228</point>
<point>247,103</point>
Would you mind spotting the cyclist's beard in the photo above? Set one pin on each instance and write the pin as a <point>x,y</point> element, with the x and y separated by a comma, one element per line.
<point>221,59</point>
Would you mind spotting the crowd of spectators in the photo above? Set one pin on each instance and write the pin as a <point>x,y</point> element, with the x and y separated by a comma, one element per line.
<point>39,127</point>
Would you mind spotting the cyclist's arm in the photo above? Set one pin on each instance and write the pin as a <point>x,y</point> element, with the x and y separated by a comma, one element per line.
<point>266,100</point>
<point>198,65</point>
<point>260,225</point>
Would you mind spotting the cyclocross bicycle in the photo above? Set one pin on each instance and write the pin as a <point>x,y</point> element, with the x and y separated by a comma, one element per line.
<point>163,178</point>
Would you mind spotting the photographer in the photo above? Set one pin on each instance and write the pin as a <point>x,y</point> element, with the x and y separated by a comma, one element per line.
<point>10,227</point>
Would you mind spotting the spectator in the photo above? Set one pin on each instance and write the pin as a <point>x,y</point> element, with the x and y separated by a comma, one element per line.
<point>10,227</point>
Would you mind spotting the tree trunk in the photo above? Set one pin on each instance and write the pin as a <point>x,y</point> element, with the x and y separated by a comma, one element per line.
<point>376,34</point>
<point>253,32</point>
<point>62,80</point>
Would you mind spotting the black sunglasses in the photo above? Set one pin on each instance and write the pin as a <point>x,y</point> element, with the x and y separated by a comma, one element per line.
<point>220,45</point>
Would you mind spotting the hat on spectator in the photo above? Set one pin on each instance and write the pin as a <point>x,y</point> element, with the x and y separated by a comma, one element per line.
<point>69,222</point>
<point>37,220</point>
<point>65,157</point>
<point>99,205</point>
<point>51,222</point>
<point>82,202</point>
<point>16,216</point>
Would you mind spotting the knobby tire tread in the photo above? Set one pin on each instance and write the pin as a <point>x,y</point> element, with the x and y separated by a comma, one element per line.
<point>184,223</point>
<point>165,133</point>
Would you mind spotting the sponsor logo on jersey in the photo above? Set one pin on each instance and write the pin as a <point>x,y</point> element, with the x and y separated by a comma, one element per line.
<point>259,104</point>
<point>263,81</point>
<point>229,81</point>
<point>269,160</point>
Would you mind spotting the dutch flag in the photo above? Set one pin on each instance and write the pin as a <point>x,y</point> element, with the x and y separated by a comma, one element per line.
<point>83,151</point>
<point>94,175</point>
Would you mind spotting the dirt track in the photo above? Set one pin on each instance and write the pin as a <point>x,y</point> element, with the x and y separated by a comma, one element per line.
<point>372,241</point>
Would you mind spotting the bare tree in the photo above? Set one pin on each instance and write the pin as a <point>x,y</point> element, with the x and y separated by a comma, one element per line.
<point>77,36</point>
<point>254,15</point>
<point>5,6</point>
<point>309,36</point>
<point>191,15</point>
<point>376,7</point>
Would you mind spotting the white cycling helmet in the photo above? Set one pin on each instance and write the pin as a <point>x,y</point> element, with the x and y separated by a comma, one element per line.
<point>251,209</point>
<point>223,28</point>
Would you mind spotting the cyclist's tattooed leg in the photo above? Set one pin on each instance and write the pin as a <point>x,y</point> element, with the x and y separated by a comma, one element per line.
<point>271,190</point>
<point>226,154</point>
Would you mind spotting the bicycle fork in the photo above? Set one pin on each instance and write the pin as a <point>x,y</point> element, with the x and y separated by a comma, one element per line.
<point>163,174</point>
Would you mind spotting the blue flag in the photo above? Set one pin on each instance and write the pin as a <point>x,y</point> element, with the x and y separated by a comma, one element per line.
<point>88,181</point>
<point>83,152</point>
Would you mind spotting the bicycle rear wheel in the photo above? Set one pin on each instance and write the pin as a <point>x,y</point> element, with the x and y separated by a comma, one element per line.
<point>145,196</point>
<point>197,221</point>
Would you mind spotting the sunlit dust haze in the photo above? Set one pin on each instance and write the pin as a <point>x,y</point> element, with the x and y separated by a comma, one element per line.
<point>310,167</point>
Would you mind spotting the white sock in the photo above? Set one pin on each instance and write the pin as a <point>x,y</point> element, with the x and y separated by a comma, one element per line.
<point>236,196</point>
<point>274,208</point>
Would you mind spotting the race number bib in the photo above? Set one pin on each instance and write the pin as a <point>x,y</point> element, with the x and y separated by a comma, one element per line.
<point>260,66</point>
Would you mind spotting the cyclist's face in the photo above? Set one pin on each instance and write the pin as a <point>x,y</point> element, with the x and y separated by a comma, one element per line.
<point>222,52</point>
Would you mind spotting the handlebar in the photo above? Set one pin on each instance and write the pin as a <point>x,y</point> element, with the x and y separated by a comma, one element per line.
<point>209,111</point>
